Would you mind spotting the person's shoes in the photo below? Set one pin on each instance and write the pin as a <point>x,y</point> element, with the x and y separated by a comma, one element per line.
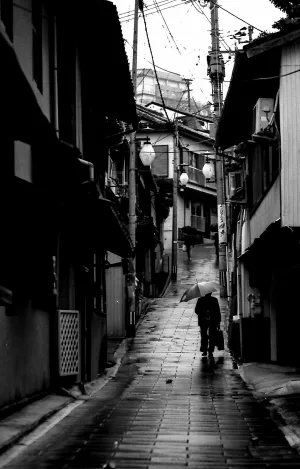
<point>204,354</point>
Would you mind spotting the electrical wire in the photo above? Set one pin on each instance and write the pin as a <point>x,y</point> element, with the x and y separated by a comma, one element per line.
<point>166,2</point>
<point>158,84</point>
<point>144,76</point>
<point>152,12</point>
<point>151,7</point>
<point>171,35</point>
<point>232,14</point>
<point>175,45</point>
<point>273,77</point>
<point>156,3</point>
<point>226,46</point>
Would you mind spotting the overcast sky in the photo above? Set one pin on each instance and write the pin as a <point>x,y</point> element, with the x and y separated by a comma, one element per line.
<point>180,42</point>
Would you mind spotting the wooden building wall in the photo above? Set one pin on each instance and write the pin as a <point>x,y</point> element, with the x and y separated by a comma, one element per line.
<point>290,134</point>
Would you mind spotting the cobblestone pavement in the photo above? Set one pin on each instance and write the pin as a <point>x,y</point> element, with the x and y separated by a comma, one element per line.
<point>167,407</point>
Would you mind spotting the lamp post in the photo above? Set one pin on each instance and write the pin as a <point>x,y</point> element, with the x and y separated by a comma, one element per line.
<point>147,153</point>
<point>184,180</point>
<point>208,170</point>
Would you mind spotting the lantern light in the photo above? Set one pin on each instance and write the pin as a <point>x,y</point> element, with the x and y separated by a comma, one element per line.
<point>208,169</point>
<point>184,179</point>
<point>147,153</point>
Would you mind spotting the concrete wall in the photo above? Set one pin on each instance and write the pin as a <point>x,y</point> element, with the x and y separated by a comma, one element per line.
<point>24,354</point>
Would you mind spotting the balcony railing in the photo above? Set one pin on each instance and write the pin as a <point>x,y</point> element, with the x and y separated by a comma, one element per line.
<point>195,175</point>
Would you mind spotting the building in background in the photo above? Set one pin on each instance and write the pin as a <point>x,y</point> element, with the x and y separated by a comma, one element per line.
<point>175,90</point>
<point>196,201</point>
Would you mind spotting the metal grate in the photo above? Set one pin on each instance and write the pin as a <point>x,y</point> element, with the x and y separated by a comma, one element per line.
<point>68,324</point>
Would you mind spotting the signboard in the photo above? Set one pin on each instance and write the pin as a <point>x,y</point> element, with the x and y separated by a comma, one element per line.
<point>222,224</point>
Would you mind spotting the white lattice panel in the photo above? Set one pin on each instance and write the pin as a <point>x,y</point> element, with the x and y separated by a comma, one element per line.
<point>68,329</point>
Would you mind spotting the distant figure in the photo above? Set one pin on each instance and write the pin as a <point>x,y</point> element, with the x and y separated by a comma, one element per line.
<point>189,236</point>
<point>189,242</point>
<point>209,318</point>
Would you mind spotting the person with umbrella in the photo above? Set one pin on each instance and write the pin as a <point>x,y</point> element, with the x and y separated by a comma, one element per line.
<point>189,237</point>
<point>209,318</point>
<point>208,312</point>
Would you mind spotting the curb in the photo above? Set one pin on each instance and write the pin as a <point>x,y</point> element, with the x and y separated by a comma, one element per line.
<point>289,431</point>
<point>13,440</point>
<point>71,395</point>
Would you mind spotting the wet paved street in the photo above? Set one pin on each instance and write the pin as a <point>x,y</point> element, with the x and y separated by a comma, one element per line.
<point>167,407</point>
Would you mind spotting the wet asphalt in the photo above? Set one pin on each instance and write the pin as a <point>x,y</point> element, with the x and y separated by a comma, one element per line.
<point>167,407</point>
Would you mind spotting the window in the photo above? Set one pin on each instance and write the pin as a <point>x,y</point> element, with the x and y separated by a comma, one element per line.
<point>161,162</point>
<point>6,15</point>
<point>264,165</point>
<point>37,44</point>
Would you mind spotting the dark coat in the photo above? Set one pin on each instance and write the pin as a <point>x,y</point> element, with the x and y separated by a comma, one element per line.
<point>208,306</point>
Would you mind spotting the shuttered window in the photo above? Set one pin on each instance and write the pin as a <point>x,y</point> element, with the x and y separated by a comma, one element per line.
<point>160,165</point>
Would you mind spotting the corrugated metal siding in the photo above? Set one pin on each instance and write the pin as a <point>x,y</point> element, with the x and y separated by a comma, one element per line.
<point>115,300</point>
<point>267,212</point>
<point>290,135</point>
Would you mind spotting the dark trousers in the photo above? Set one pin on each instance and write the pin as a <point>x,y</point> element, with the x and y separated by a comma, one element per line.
<point>208,337</point>
<point>188,250</point>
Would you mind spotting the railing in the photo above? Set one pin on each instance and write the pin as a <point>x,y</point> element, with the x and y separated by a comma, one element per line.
<point>198,222</point>
<point>196,175</point>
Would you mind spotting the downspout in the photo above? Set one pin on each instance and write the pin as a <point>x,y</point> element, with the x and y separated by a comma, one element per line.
<point>54,371</point>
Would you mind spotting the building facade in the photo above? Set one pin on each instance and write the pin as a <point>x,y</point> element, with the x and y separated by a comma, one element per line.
<point>197,200</point>
<point>55,136</point>
<point>264,200</point>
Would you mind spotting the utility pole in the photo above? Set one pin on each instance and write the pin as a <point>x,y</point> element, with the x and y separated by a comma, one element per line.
<point>188,81</point>
<point>175,196</point>
<point>132,179</point>
<point>216,71</point>
<point>250,33</point>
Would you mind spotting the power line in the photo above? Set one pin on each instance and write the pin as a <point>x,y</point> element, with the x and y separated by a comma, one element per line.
<point>273,77</point>
<point>232,14</point>
<point>176,44</point>
<point>161,2</point>
<point>166,2</point>
<point>172,37</point>
<point>158,84</point>
<point>151,13</point>
<point>226,46</point>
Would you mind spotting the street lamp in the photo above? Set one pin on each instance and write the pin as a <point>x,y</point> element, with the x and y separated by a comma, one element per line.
<point>208,170</point>
<point>147,153</point>
<point>184,179</point>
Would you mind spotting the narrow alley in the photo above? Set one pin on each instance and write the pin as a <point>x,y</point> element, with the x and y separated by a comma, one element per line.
<point>167,406</point>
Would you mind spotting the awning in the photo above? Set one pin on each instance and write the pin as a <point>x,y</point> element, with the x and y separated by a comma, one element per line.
<point>104,61</point>
<point>20,115</point>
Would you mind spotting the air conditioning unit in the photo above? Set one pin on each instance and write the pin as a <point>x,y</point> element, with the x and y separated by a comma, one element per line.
<point>236,183</point>
<point>262,113</point>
